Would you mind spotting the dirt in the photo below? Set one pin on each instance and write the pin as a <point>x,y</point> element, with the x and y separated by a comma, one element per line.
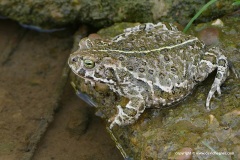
<point>41,119</point>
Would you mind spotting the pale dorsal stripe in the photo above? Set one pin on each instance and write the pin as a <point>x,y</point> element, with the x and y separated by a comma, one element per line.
<point>147,51</point>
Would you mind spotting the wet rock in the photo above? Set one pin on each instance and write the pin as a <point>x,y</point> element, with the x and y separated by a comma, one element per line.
<point>48,16</point>
<point>236,151</point>
<point>209,36</point>
<point>182,154</point>
<point>4,98</point>
<point>78,122</point>
<point>232,119</point>
<point>188,126</point>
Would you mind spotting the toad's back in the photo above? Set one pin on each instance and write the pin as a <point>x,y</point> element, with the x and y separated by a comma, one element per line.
<point>161,60</point>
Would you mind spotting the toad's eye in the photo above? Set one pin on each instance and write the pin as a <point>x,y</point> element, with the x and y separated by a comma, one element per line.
<point>89,63</point>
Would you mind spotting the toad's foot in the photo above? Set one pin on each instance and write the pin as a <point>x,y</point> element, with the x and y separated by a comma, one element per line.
<point>222,72</point>
<point>129,114</point>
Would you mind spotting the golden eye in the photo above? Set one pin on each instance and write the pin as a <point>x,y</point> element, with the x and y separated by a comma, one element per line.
<point>89,63</point>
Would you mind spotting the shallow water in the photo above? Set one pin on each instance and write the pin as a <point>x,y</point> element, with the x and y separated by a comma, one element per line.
<point>31,85</point>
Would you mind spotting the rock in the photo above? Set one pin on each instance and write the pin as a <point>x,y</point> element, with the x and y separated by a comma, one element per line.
<point>45,15</point>
<point>183,154</point>
<point>159,133</point>
<point>209,36</point>
<point>78,122</point>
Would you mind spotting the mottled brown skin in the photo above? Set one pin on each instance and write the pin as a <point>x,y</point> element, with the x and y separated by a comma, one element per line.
<point>152,65</point>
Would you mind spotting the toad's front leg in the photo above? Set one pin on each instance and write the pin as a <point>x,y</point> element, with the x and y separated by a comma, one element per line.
<point>128,114</point>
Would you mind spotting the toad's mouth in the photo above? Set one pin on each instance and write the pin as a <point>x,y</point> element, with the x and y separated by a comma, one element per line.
<point>93,79</point>
<point>83,76</point>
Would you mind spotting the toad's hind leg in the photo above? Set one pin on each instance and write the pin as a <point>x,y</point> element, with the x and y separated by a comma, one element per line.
<point>128,114</point>
<point>211,60</point>
<point>221,63</point>
<point>222,73</point>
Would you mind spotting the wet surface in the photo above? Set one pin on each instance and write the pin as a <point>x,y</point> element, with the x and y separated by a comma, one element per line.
<point>74,135</point>
<point>31,85</point>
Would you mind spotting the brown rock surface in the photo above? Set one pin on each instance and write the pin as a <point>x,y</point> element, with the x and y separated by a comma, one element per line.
<point>31,85</point>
